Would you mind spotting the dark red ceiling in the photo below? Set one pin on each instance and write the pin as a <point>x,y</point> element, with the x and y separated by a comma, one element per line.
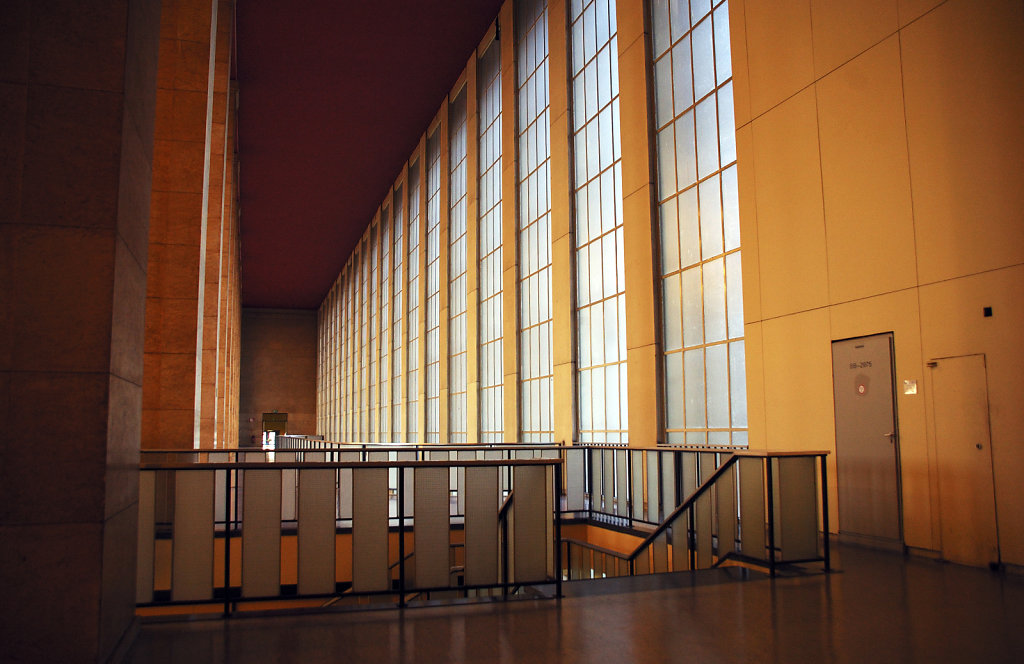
<point>333,97</point>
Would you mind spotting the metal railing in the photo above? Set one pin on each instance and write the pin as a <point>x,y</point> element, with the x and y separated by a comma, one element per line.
<point>765,509</point>
<point>225,532</point>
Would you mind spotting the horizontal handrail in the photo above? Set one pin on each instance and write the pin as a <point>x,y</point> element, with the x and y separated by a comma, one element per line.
<point>284,465</point>
<point>685,505</point>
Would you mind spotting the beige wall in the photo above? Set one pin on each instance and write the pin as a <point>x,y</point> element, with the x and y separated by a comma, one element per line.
<point>881,190</point>
<point>278,370</point>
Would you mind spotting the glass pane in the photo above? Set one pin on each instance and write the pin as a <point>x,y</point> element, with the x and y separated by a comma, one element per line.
<point>669,238</point>
<point>612,398</point>
<point>723,61</point>
<point>703,60</point>
<point>682,77</point>
<point>680,18</point>
<point>718,386</point>
<point>707,137</point>
<point>727,124</point>
<point>674,389</point>
<point>693,305</point>
<point>689,228</point>
<point>686,156</point>
<point>693,374</point>
<point>660,24</point>
<point>666,163</point>
<point>710,218</point>
<point>672,301</point>
<point>714,301</point>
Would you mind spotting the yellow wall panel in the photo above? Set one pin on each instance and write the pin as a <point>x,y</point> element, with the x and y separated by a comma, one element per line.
<point>798,382</point>
<point>866,176</point>
<point>779,51</point>
<point>963,72</point>
<point>843,29</point>
<point>790,217</point>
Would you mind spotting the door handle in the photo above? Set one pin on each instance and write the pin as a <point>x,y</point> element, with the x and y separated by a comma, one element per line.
<point>891,436</point>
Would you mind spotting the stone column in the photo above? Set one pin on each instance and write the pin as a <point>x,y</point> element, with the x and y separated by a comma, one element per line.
<point>77,98</point>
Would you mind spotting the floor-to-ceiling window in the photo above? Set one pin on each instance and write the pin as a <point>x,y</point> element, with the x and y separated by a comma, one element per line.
<point>413,311</point>
<point>433,304</point>
<point>384,342</point>
<point>457,287</point>
<point>597,183</point>
<point>705,382</point>
<point>398,312</point>
<point>490,270</point>
<point>534,184</point>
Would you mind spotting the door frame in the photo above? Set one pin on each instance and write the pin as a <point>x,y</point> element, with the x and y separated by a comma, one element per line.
<point>853,537</point>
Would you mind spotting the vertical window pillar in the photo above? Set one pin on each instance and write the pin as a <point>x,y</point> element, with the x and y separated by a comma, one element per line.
<point>642,321</point>
<point>562,243</point>
<point>509,228</point>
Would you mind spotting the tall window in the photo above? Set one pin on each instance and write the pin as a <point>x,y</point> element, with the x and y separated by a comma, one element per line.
<point>705,376</point>
<point>364,339</point>
<point>433,391</point>
<point>412,320</point>
<point>373,375</point>
<point>384,342</point>
<point>457,366</point>
<point>534,182</point>
<point>396,324</point>
<point>491,366</point>
<point>600,266</point>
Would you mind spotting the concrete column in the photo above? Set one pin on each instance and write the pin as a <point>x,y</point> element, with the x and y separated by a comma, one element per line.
<point>562,235</point>
<point>77,100</point>
<point>643,327</point>
<point>175,294</point>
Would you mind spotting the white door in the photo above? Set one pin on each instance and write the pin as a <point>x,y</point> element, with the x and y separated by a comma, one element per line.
<point>963,450</point>
<point>867,445</point>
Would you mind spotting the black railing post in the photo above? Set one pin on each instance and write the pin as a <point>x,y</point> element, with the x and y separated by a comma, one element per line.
<point>401,536</point>
<point>771,516</point>
<point>558,531</point>
<point>824,514</point>
<point>691,538</point>
<point>227,542</point>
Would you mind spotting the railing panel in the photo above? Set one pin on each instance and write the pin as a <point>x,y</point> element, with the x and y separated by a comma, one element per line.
<point>316,532</point>
<point>703,516</point>
<point>482,504</point>
<point>147,538</point>
<point>575,481</point>
<point>289,485</point>
<point>653,493</point>
<point>636,508</point>
<point>529,528</point>
<point>668,484</point>
<point>370,529</point>
<point>261,534</point>
<point>192,557</point>
<point>797,508</point>
<point>659,549</point>
<point>608,481</point>
<point>430,527</point>
<point>752,514</point>
<point>725,500</point>
<point>622,483</point>
<point>680,545</point>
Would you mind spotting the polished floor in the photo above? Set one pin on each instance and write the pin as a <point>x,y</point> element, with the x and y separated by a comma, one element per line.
<point>875,607</point>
